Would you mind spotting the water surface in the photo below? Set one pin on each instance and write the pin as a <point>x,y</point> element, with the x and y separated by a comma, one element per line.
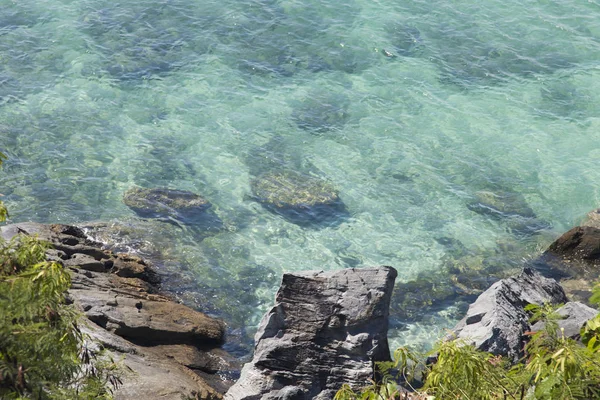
<point>418,113</point>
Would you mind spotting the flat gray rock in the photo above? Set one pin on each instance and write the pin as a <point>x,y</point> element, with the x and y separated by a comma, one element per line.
<point>325,329</point>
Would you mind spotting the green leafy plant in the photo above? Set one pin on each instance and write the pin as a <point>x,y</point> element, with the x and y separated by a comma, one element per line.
<point>43,354</point>
<point>554,367</point>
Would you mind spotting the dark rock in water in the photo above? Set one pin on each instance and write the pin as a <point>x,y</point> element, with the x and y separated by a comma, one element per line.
<point>496,322</point>
<point>321,112</point>
<point>581,243</point>
<point>576,253</point>
<point>302,199</point>
<point>326,329</point>
<point>574,316</point>
<point>166,203</point>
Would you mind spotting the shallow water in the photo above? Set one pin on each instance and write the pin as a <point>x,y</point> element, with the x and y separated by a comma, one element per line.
<point>414,112</point>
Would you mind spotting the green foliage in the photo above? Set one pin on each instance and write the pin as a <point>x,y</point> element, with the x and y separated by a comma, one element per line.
<point>43,354</point>
<point>554,368</point>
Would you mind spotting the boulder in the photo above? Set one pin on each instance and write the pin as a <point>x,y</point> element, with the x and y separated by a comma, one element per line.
<point>300,198</point>
<point>166,203</point>
<point>574,258</point>
<point>325,329</point>
<point>580,245</point>
<point>574,316</point>
<point>496,322</point>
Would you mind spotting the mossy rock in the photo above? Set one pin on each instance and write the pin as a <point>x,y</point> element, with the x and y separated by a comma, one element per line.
<point>297,197</point>
<point>290,189</point>
<point>165,203</point>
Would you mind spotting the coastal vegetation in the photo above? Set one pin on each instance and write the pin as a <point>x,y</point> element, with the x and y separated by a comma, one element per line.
<point>43,353</point>
<point>554,367</point>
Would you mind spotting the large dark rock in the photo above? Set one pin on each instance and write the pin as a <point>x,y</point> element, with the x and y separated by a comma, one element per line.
<point>326,329</point>
<point>574,258</point>
<point>579,245</point>
<point>496,322</point>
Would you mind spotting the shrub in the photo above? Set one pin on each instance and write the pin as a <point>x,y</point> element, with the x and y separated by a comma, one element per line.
<point>554,368</point>
<point>43,354</point>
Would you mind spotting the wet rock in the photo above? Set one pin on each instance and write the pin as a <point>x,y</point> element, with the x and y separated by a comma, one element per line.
<point>580,244</point>
<point>576,254</point>
<point>166,203</point>
<point>326,329</point>
<point>86,262</point>
<point>496,322</point>
<point>300,198</point>
<point>574,316</point>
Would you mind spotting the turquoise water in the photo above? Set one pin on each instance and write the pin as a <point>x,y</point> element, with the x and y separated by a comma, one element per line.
<point>411,110</point>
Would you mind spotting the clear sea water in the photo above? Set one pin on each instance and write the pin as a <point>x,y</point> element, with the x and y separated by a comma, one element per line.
<point>413,110</point>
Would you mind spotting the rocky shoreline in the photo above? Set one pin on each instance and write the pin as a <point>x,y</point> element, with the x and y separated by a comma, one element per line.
<point>324,330</point>
<point>170,351</point>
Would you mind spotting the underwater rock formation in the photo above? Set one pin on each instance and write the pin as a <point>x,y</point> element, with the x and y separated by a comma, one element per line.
<point>326,329</point>
<point>510,207</point>
<point>181,205</point>
<point>405,38</point>
<point>301,199</point>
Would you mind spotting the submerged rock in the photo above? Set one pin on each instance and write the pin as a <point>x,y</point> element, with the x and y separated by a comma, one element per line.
<point>181,205</point>
<point>326,329</point>
<point>321,111</point>
<point>500,204</point>
<point>510,207</point>
<point>496,322</point>
<point>300,198</point>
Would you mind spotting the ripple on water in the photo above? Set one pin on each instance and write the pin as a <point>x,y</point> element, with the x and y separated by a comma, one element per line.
<point>454,158</point>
